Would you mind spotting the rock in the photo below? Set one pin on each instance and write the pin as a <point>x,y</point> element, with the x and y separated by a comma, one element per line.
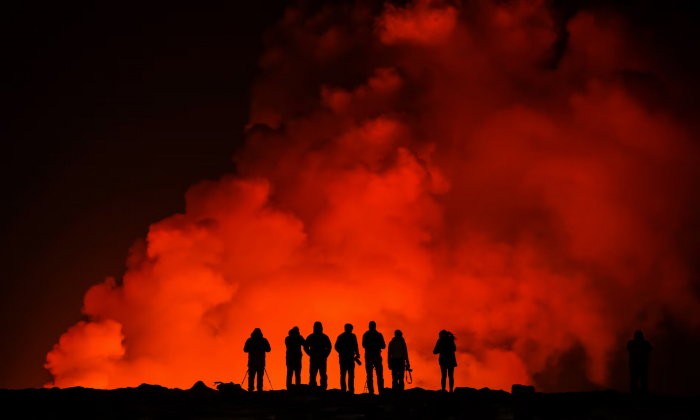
<point>517,389</point>
<point>201,388</point>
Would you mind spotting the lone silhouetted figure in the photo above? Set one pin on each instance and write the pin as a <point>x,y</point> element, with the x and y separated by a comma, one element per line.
<point>446,348</point>
<point>639,350</point>
<point>398,360</point>
<point>294,342</point>
<point>348,351</point>
<point>318,347</point>
<point>373,343</point>
<point>256,347</point>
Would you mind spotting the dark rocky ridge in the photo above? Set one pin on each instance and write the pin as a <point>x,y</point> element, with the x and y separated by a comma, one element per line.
<point>201,402</point>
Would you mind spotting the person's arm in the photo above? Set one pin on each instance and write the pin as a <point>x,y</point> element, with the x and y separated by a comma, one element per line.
<point>392,349</point>
<point>356,348</point>
<point>337,340</point>
<point>306,346</point>
<point>329,346</point>
<point>381,339</point>
<point>363,340</point>
<point>245,347</point>
<point>267,346</point>
<point>436,350</point>
<point>406,347</point>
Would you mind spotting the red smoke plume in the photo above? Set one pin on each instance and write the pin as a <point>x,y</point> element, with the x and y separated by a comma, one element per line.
<point>429,166</point>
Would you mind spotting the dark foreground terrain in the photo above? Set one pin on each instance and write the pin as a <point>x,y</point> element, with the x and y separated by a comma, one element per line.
<point>200,402</point>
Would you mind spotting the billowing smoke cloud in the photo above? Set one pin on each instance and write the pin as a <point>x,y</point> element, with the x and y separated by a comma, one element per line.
<point>429,166</point>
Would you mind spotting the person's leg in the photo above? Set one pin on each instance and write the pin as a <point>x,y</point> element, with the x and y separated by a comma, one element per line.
<point>351,378</point>
<point>443,373</point>
<point>451,372</point>
<point>251,379</point>
<point>324,376</point>
<point>343,372</point>
<point>297,372</point>
<point>261,374</point>
<point>634,376</point>
<point>290,370</point>
<point>402,370</point>
<point>643,371</point>
<point>370,379</point>
<point>313,369</point>
<point>380,374</point>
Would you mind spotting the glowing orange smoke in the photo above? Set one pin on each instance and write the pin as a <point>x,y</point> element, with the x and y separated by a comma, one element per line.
<point>427,169</point>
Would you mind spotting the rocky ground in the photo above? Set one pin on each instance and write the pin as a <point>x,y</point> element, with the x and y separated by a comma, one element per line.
<point>200,402</point>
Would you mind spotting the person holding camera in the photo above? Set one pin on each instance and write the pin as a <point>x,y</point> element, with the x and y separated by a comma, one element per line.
<point>348,354</point>
<point>373,343</point>
<point>256,347</point>
<point>398,360</point>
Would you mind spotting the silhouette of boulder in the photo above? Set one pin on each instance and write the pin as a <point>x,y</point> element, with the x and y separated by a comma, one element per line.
<point>465,391</point>
<point>231,389</point>
<point>199,387</point>
<point>517,389</point>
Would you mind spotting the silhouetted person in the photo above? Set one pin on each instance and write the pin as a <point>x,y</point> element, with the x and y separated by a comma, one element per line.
<point>318,347</point>
<point>346,346</point>
<point>639,350</point>
<point>446,348</point>
<point>398,360</point>
<point>294,342</point>
<point>373,343</point>
<point>256,347</point>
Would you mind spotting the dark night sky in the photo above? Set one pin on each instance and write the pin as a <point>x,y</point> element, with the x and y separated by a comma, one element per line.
<point>110,112</point>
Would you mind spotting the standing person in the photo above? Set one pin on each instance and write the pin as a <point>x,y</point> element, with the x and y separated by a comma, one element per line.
<point>318,347</point>
<point>446,348</point>
<point>348,351</point>
<point>294,342</point>
<point>639,350</point>
<point>398,360</point>
<point>256,347</point>
<point>373,343</point>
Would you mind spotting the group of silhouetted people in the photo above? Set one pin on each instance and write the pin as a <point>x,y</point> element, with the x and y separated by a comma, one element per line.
<point>318,347</point>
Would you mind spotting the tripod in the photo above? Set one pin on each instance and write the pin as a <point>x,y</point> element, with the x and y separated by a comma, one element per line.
<point>268,379</point>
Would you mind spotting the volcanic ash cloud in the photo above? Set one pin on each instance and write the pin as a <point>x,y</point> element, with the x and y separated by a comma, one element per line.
<point>429,166</point>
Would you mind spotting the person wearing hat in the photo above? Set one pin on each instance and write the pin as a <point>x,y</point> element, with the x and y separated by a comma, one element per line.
<point>256,347</point>
<point>398,360</point>
<point>294,342</point>
<point>348,351</point>
<point>318,347</point>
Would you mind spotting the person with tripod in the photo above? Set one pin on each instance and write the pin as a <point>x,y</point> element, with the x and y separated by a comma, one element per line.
<point>348,353</point>
<point>318,347</point>
<point>373,343</point>
<point>398,360</point>
<point>256,347</point>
